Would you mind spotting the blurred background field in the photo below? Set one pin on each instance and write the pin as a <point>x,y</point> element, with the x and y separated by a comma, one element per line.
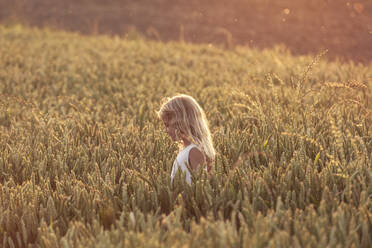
<point>84,161</point>
<point>344,27</point>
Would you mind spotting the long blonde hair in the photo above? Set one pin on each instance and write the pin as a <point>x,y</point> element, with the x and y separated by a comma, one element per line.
<point>189,119</point>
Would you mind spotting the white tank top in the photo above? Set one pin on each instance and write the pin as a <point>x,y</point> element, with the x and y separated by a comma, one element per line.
<point>180,163</point>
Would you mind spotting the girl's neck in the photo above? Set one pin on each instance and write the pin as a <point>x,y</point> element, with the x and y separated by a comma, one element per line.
<point>185,142</point>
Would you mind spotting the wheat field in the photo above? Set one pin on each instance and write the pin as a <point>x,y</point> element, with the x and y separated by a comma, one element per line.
<point>85,161</point>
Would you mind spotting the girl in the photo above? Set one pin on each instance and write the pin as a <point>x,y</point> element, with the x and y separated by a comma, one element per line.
<point>185,122</point>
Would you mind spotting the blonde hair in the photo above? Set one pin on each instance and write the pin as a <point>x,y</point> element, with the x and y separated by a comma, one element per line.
<point>189,119</point>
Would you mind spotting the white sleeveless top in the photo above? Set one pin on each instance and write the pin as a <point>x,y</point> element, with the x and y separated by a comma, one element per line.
<point>180,163</point>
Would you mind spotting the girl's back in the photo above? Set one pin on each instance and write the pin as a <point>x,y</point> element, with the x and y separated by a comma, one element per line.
<point>181,162</point>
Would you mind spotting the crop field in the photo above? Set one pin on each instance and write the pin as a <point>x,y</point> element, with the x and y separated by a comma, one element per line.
<point>85,161</point>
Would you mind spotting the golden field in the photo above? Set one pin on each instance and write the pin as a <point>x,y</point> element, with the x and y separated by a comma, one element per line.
<point>85,162</point>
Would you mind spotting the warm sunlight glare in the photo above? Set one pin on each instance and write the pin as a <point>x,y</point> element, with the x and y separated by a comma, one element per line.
<point>358,7</point>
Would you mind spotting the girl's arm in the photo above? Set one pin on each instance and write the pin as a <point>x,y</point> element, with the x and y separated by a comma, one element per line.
<point>196,158</point>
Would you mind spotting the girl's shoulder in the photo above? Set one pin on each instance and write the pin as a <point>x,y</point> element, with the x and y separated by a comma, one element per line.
<point>185,151</point>
<point>196,154</point>
<point>196,157</point>
<point>188,147</point>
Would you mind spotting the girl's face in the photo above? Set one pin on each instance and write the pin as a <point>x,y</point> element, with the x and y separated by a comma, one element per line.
<point>170,129</point>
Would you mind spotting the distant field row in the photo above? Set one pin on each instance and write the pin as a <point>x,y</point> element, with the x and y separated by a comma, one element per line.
<point>305,27</point>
